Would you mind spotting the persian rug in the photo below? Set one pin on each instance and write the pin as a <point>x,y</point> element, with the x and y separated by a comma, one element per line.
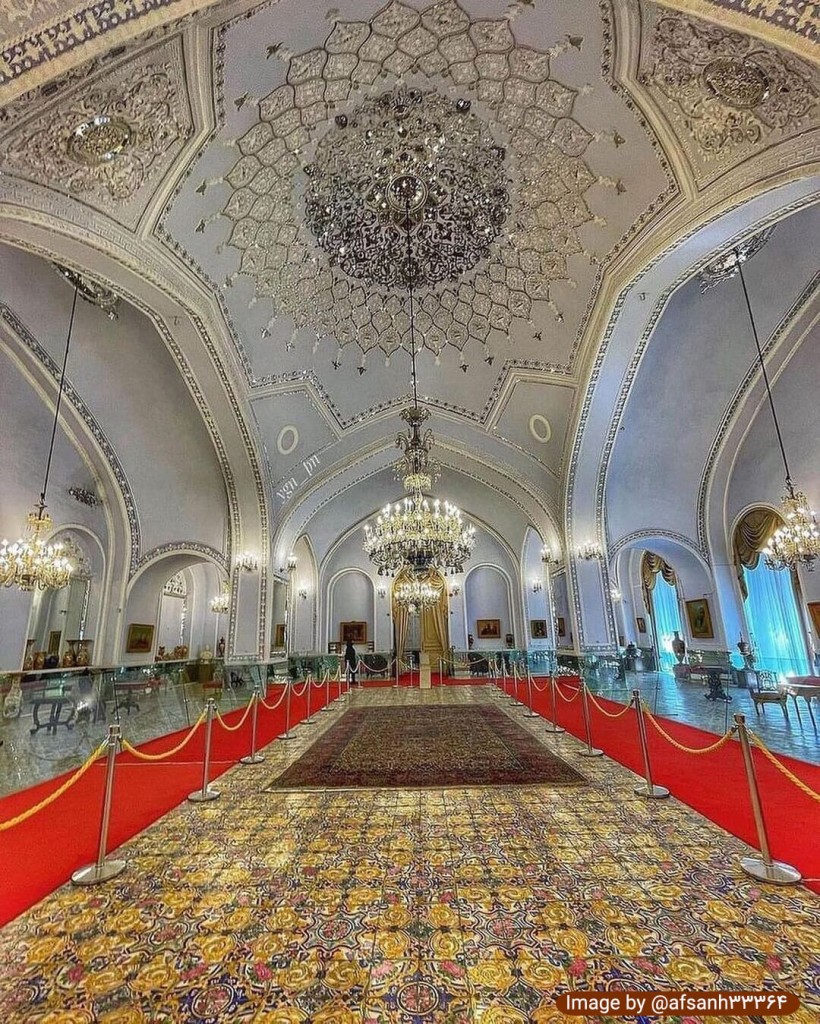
<point>411,747</point>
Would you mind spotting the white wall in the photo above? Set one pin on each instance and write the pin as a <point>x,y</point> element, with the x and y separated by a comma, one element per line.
<point>353,599</point>
<point>488,596</point>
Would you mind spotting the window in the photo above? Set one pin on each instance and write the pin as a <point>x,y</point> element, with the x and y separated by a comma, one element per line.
<point>774,621</point>
<point>666,614</point>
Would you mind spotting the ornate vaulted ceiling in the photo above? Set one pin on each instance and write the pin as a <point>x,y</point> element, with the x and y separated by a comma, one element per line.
<point>584,139</point>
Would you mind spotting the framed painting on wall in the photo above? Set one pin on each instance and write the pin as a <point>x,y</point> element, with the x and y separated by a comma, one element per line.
<point>140,638</point>
<point>814,612</point>
<point>700,619</point>
<point>355,632</point>
<point>538,629</point>
<point>488,629</point>
<point>54,638</point>
<point>641,624</point>
<point>562,625</point>
<point>279,635</point>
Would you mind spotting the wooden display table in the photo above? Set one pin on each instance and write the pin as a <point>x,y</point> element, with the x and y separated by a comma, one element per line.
<point>807,687</point>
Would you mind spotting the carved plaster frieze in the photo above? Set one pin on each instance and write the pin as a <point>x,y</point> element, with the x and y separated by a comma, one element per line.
<point>183,547</point>
<point>20,331</point>
<point>106,138</point>
<point>727,94</point>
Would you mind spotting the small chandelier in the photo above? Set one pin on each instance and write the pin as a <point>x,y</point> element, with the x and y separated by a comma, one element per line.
<point>31,562</point>
<point>797,541</point>
<point>416,590</point>
<point>220,605</point>
<point>590,552</point>
<point>420,533</point>
<point>247,561</point>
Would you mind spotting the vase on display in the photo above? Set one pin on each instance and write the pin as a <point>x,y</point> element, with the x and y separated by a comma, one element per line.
<point>28,658</point>
<point>39,660</point>
<point>746,653</point>
<point>678,647</point>
<point>84,653</point>
<point>70,656</point>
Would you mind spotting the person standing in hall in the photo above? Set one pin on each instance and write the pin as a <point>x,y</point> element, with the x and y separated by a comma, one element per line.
<point>351,661</point>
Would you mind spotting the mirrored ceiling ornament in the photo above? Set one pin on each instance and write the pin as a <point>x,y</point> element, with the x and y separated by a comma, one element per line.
<point>728,264</point>
<point>498,219</point>
<point>413,156</point>
<point>99,140</point>
<point>90,290</point>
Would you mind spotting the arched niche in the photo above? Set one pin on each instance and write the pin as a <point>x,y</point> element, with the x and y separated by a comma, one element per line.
<point>303,603</point>
<point>60,618</point>
<point>488,597</point>
<point>351,598</point>
<point>694,581</point>
<point>203,579</point>
<point>535,589</point>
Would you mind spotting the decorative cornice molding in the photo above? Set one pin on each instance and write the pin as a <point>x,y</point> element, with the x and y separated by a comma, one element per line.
<point>183,547</point>
<point>22,333</point>
<point>637,535</point>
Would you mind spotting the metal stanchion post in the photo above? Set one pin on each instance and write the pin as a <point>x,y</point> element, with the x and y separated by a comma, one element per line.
<point>327,706</point>
<point>763,868</point>
<point>287,734</point>
<point>309,684</point>
<point>253,757</point>
<point>206,793</point>
<point>590,751</point>
<point>553,726</point>
<point>649,790</point>
<point>104,869</point>
<point>529,713</point>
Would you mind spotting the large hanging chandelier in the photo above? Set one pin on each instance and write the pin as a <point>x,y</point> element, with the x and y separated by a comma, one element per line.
<point>419,532</point>
<point>31,562</point>
<point>416,592</point>
<point>220,605</point>
<point>797,541</point>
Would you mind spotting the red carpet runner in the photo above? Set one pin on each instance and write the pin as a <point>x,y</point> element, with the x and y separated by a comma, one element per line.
<point>713,784</point>
<point>41,853</point>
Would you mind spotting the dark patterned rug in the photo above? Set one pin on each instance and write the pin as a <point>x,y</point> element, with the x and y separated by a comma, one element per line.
<point>426,746</point>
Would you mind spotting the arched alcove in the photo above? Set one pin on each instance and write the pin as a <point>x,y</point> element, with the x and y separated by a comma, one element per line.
<point>488,606</point>
<point>351,598</point>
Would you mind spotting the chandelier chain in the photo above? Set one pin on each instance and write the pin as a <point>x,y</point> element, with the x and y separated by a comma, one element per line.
<point>411,273</point>
<point>59,401</point>
<point>789,484</point>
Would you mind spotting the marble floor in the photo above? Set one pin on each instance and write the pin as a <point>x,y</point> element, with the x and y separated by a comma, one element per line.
<point>447,905</point>
<point>26,759</point>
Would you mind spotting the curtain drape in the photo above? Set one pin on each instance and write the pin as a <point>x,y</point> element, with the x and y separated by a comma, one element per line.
<point>435,624</point>
<point>774,621</point>
<point>666,615</point>
<point>751,534</point>
<point>652,566</point>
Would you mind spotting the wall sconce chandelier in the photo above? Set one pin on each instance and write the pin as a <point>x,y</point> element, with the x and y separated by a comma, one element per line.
<point>381,590</point>
<point>537,586</point>
<point>291,563</point>
<point>31,562</point>
<point>220,605</point>
<point>590,552</point>
<point>615,593</point>
<point>547,556</point>
<point>455,590</point>
<point>247,562</point>
<point>303,593</point>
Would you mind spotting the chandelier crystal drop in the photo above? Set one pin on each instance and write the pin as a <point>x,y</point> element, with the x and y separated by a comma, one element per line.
<point>31,562</point>
<point>797,541</point>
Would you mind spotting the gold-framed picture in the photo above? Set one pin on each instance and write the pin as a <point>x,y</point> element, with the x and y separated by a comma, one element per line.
<point>488,629</point>
<point>700,619</point>
<point>561,624</point>
<point>353,632</point>
<point>54,637</point>
<point>641,624</point>
<point>814,612</point>
<point>538,629</point>
<point>279,636</point>
<point>140,638</point>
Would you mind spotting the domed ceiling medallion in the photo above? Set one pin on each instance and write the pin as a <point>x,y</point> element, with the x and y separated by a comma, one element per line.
<point>430,108</point>
<point>407,155</point>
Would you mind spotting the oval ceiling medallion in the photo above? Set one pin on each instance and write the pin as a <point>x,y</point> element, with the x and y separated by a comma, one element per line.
<point>99,140</point>
<point>287,440</point>
<point>738,82</point>
<point>540,428</point>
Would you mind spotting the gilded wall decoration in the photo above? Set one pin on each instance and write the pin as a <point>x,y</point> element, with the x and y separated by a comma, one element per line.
<point>102,140</point>
<point>727,90</point>
<point>526,121</point>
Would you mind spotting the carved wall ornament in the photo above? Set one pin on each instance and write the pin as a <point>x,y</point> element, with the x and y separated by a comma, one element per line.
<point>104,140</point>
<point>312,124</point>
<point>90,290</point>
<point>725,266</point>
<point>729,90</point>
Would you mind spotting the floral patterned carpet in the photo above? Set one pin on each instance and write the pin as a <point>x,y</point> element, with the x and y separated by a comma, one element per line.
<point>414,746</point>
<point>375,906</point>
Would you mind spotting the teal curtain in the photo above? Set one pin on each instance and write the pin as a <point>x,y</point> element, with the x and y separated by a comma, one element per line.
<point>774,621</point>
<point>667,620</point>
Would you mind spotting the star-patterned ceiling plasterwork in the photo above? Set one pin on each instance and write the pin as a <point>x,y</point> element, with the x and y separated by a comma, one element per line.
<point>528,112</point>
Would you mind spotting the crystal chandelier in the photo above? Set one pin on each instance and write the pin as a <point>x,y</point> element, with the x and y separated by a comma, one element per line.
<point>416,590</point>
<point>797,541</point>
<point>31,562</point>
<point>220,605</point>
<point>419,532</point>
